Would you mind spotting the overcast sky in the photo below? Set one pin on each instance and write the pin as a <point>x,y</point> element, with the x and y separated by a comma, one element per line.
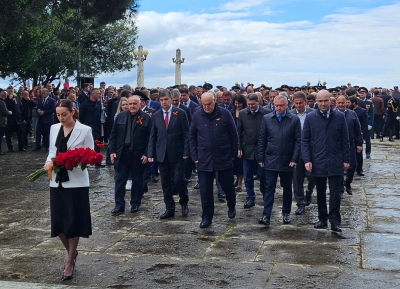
<point>268,42</point>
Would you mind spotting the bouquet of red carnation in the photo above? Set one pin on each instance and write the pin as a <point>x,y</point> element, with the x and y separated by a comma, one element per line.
<point>99,144</point>
<point>69,160</point>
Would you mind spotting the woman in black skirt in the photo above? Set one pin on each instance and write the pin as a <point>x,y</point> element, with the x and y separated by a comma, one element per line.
<point>69,190</point>
<point>240,103</point>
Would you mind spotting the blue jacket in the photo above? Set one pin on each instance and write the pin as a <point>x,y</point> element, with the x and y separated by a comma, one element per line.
<point>279,142</point>
<point>213,139</point>
<point>48,108</point>
<point>325,143</point>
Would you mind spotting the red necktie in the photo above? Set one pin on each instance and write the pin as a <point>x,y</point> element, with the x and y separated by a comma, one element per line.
<point>166,119</point>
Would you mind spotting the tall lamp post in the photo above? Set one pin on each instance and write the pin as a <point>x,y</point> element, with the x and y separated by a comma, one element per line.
<point>140,56</point>
<point>178,62</point>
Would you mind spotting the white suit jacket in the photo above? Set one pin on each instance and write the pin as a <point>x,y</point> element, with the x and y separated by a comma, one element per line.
<point>81,137</point>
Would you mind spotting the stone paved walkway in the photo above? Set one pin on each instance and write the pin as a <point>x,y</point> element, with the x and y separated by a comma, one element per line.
<point>141,251</point>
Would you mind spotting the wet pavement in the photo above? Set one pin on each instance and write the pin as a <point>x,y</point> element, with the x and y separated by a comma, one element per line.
<point>141,251</point>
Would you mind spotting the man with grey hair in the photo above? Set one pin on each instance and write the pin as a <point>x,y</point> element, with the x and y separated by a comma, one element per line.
<point>128,145</point>
<point>277,128</point>
<point>213,147</point>
<point>325,148</point>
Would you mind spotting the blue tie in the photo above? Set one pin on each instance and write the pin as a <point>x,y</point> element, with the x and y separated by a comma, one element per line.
<point>279,117</point>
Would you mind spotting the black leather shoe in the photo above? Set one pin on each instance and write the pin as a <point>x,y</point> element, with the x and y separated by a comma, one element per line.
<point>117,212</point>
<point>196,186</point>
<point>205,223</point>
<point>231,214</point>
<point>320,225</point>
<point>286,218</point>
<point>155,179</point>
<point>221,196</point>
<point>22,150</point>
<point>28,146</point>
<point>381,139</point>
<point>167,214</point>
<point>360,173</point>
<point>135,209</point>
<point>348,189</point>
<point>2,153</point>
<point>185,210</point>
<point>249,204</point>
<point>264,221</point>
<point>368,156</point>
<point>336,228</point>
<point>300,210</point>
<point>255,177</point>
<point>391,139</point>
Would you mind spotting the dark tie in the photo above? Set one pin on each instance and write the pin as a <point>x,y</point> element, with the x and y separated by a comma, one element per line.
<point>185,103</point>
<point>253,112</point>
<point>166,120</point>
<point>43,102</point>
<point>279,117</point>
<point>325,115</point>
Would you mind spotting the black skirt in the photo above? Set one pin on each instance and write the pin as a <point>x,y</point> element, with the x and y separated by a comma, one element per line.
<point>70,212</point>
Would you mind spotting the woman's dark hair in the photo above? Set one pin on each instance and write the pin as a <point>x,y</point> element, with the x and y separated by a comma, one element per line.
<point>68,104</point>
<point>240,99</point>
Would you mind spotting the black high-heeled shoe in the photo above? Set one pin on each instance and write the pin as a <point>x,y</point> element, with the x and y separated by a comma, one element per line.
<point>66,278</point>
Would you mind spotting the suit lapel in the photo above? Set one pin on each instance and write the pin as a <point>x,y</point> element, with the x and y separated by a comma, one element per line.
<point>174,116</point>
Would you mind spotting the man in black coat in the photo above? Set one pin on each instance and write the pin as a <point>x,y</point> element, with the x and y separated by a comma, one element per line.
<point>128,145</point>
<point>363,118</point>
<point>90,115</point>
<point>248,127</point>
<point>325,149</point>
<point>299,100</point>
<point>278,153</point>
<point>356,142</point>
<point>84,94</point>
<point>213,146</point>
<point>14,120</point>
<point>27,106</point>
<point>169,146</point>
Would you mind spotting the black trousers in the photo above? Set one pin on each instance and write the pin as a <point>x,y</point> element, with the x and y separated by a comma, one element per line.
<point>378,122</point>
<point>2,131</point>
<point>334,183</point>
<point>188,168</point>
<point>10,128</point>
<point>389,126</point>
<point>26,128</point>
<point>300,173</point>
<point>173,173</point>
<point>206,183</point>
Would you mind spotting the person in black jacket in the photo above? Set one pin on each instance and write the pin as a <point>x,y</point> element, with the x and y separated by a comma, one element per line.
<point>128,145</point>
<point>278,153</point>
<point>213,146</point>
<point>248,127</point>
<point>90,115</point>
<point>356,142</point>
<point>14,120</point>
<point>27,106</point>
<point>325,149</point>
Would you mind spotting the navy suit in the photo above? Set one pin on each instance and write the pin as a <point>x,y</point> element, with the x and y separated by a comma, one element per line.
<point>168,146</point>
<point>154,105</point>
<point>45,121</point>
<point>192,106</point>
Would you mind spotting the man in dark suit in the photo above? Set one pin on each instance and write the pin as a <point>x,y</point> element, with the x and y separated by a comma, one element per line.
<point>128,146</point>
<point>248,127</point>
<point>46,108</point>
<point>186,101</point>
<point>154,105</point>
<point>84,94</point>
<point>90,115</point>
<point>14,120</point>
<point>227,101</point>
<point>169,146</point>
<point>299,100</point>
<point>213,146</point>
<point>363,118</point>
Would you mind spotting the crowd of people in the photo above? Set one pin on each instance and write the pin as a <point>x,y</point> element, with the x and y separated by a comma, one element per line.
<point>230,136</point>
